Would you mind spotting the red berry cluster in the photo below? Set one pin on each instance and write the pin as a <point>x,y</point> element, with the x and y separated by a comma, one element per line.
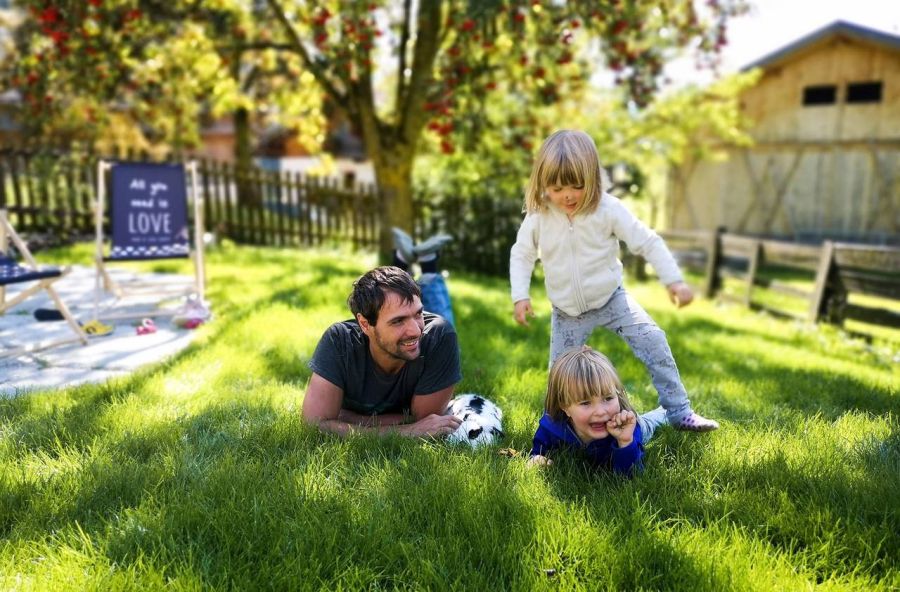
<point>346,40</point>
<point>78,41</point>
<point>540,63</point>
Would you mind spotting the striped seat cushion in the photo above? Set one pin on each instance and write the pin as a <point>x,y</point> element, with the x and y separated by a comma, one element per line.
<point>13,273</point>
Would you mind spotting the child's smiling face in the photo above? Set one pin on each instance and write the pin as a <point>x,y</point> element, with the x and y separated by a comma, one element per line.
<point>588,418</point>
<point>566,197</point>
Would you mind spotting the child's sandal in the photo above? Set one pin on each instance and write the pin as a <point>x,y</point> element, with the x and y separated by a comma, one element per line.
<point>696,423</point>
<point>146,327</point>
<point>192,323</point>
<point>96,329</point>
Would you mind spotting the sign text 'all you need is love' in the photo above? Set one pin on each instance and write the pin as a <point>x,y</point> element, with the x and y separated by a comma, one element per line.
<point>149,207</point>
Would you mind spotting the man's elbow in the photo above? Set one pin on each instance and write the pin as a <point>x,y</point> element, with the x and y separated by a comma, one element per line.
<point>314,419</point>
<point>328,425</point>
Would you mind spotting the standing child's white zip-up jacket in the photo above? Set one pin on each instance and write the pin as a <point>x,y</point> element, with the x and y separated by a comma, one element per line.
<point>581,256</point>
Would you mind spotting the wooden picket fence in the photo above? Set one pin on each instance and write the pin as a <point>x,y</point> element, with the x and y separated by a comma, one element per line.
<point>50,195</point>
<point>286,209</point>
<point>53,193</point>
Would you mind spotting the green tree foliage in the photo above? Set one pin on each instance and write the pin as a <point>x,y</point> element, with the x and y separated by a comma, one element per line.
<point>449,63</point>
<point>692,123</point>
<point>638,146</point>
<point>93,71</point>
<point>401,70</point>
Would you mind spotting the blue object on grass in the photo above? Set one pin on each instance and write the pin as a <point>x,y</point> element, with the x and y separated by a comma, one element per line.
<point>13,273</point>
<point>435,296</point>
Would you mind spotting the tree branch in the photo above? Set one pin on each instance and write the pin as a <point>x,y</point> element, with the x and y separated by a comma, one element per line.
<point>401,65</point>
<point>256,46</point>
<point>250,79</point>
<point>297,46</point>
<point>428,29</point>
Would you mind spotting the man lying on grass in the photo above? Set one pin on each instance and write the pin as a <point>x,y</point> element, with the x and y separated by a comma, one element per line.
<point>391,369</point>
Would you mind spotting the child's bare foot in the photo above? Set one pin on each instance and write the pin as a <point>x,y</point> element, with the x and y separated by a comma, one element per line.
<point>696,423</point>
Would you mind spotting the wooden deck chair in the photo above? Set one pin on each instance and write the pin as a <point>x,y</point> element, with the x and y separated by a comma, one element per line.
<point>11,272</point>
<point>148,220</point>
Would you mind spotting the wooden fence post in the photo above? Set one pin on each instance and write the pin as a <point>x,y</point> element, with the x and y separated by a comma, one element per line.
<point>829,298</point>
<point>4,246</point>
<point>713,258</point>
<point>304,209</point>
<point>4,179</point>
<point>752,267</point>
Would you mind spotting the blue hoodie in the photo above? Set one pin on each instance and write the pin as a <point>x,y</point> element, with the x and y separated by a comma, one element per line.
<point>604,452</point>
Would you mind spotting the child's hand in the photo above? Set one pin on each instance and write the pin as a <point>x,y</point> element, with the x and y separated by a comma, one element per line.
<point>539,461</point>
<point>621,427</point>
<point>522,311</point>
<point>680,294</point>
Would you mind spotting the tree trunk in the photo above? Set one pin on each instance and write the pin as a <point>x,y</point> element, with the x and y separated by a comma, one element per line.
<point>393,173</point>
<point>248,192</point>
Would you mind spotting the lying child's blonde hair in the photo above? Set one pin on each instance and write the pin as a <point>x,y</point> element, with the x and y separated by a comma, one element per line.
<point>580,375</point>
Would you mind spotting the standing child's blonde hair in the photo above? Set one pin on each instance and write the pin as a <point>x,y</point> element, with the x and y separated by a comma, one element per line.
<point>567,157</point>
<point>580,375</point>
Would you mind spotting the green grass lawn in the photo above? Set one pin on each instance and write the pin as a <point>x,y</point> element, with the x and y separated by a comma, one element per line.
<point>199,474</point>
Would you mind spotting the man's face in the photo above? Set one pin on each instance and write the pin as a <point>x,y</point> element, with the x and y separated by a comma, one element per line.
<point>394,339</point>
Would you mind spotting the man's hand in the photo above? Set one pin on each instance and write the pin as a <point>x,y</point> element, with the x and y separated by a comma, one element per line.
<point>523,311</point>
<point>621,427</point>
<point>680,294</point>
<point>435,426</point>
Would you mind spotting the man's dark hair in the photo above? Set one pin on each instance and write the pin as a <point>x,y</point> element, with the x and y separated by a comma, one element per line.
<point>369,291</point>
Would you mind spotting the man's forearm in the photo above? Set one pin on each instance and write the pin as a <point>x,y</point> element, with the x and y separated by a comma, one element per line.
<point>433,425</point>
<point>348,422</point>
<point>345,428</point>
<point>387,419</point>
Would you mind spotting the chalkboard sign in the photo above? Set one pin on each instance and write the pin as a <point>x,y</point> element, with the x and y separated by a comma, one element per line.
<point>148,206</point>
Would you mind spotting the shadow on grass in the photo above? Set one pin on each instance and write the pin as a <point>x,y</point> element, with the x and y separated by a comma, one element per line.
<point>244,494</point>
<point>491,344</point>
<point>831,515</point>
<point>777,381</point>
<point>247,496</point>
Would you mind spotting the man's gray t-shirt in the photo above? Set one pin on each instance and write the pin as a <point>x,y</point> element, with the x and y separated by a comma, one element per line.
<point>342,358</point>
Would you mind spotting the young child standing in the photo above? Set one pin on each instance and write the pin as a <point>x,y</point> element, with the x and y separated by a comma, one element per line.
<point>587,409</point>
<point>576,227</point>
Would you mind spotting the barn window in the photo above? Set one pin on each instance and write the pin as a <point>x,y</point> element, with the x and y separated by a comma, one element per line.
<point>864,92</point>
<point>825,94</point>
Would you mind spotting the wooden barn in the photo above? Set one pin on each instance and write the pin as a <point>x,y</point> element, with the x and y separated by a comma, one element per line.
<point>826,159</point>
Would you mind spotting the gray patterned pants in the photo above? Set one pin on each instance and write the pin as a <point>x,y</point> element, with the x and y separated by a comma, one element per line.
<point>627,319</point>
<point>650,421</point>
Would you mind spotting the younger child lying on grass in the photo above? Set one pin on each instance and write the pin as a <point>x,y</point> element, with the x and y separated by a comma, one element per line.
<point>587,409</point>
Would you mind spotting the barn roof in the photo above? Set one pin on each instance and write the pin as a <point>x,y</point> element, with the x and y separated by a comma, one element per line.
<point>827,33</point>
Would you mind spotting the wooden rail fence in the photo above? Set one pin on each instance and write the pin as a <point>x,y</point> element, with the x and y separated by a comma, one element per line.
<point>835,270</point>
